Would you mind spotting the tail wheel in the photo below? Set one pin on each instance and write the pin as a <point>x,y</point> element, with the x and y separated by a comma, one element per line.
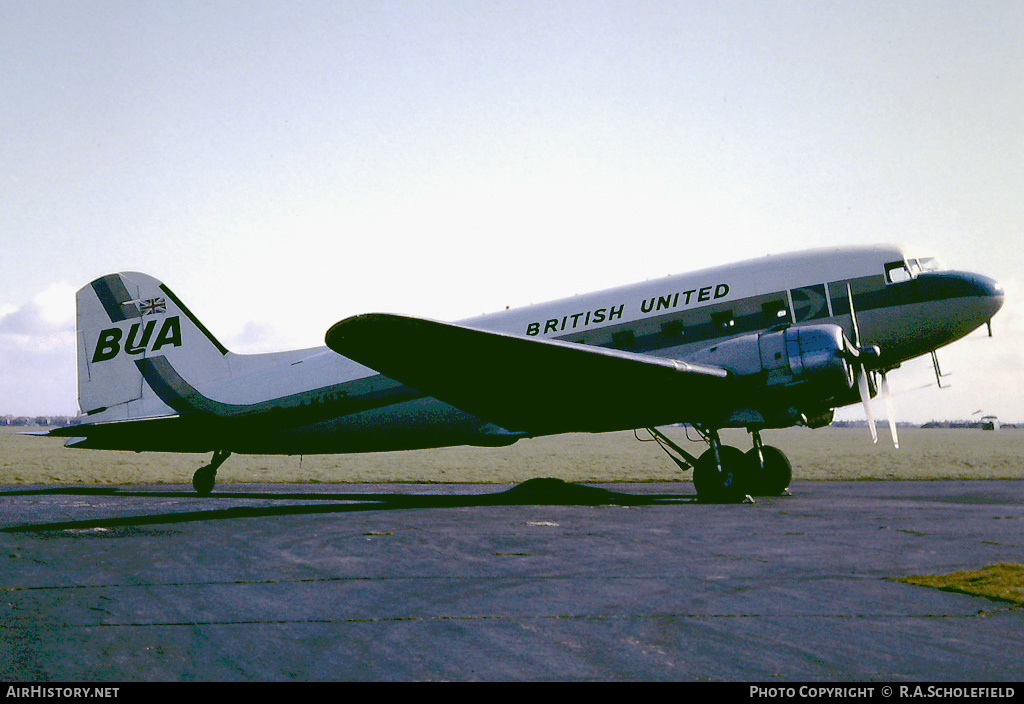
<point>771,473</point>
<point>721,485</point>
<point>204,479</point>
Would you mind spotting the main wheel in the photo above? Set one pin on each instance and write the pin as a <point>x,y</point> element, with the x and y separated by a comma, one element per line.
<point>773,478</point>
<point>725,486</point>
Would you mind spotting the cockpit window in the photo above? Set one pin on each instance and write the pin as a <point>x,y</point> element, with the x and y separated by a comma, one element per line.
<point>896,272</point>
<point>923,264</point>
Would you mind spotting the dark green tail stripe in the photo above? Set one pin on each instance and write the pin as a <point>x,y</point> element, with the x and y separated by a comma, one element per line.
<point>113,295</point>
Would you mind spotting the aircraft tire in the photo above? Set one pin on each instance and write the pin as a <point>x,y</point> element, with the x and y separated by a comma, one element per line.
<point>774,477</point>
<point>204,480</point>
<point>725,486</point>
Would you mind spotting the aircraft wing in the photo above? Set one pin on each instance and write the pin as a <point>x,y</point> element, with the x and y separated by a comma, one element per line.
<point>532,385</point>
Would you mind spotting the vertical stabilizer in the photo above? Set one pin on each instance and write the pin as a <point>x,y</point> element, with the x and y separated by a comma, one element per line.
<point>128,322</point>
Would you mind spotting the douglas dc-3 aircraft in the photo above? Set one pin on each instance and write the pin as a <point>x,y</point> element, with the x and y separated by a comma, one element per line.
<point>766,343</point>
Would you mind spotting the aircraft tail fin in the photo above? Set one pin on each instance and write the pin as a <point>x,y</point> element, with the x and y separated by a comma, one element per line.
<point>126,323</point>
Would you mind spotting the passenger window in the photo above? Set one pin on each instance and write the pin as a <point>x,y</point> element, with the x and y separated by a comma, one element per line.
<point>623,340</point>
<point>722,322</point>
<point>673,328</point>
<point>774,312</point>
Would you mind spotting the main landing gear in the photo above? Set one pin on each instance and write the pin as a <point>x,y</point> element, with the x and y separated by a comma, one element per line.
<point>725,474</point>
<point>205,478</point>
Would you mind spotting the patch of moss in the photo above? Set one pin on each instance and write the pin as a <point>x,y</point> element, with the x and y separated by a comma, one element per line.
<point>1001,582</point>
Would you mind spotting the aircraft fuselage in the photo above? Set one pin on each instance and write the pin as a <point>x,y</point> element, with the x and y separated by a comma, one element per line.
<point>317,401</point>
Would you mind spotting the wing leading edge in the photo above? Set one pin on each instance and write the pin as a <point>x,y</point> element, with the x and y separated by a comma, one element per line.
<point>530,385</point>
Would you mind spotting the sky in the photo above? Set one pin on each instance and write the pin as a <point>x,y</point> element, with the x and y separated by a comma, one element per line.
<point>284,165</point>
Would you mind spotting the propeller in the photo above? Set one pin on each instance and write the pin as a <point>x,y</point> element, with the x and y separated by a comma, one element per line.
<point>887,398</point>
<point>861,357</point>
<point>865,398</point>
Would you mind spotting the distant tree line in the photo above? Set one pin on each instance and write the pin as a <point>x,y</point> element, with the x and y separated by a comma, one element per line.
<point>971,424</point>
<point>45,421</point>
<point>966,424</point>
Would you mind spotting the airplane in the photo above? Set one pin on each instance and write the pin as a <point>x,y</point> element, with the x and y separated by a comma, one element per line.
<point>772,342</point>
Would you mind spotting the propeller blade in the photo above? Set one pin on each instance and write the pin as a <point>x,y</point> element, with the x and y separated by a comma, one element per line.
<point>853,317</point>
<point>887,397</point>
<point>865,397</point>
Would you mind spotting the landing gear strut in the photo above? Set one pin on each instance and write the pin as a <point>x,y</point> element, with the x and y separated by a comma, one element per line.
<point>205,478</point>
<point>725,474</point>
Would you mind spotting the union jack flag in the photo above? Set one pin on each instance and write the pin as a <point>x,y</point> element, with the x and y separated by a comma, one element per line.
<point>152,306</point>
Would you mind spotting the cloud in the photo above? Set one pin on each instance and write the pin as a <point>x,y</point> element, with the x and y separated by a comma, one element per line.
<point>257,337</point>
<point>37,354</point>
<point>51,312</point>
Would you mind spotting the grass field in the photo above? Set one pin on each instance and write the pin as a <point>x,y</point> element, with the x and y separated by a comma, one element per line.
<point>827,453</point>
<point>999,582</point>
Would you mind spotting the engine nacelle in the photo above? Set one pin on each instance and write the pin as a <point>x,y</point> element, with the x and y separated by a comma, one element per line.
<point>796,371</point>
<point>817,355</point>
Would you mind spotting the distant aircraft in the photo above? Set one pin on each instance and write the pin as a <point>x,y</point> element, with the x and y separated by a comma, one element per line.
<point>766,343</point>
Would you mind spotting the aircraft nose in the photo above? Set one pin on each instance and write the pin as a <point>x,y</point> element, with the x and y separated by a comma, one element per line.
<point>980,297</point>
<point>985,294</point>
<point>960,284</point>
<point>990,291</point>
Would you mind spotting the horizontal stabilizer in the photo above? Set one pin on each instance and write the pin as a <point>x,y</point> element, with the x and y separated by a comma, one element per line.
<point>159,434</point>
<point>525,384</point>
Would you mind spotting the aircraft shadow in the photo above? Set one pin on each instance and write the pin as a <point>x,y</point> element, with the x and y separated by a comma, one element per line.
<point>538,492</point>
